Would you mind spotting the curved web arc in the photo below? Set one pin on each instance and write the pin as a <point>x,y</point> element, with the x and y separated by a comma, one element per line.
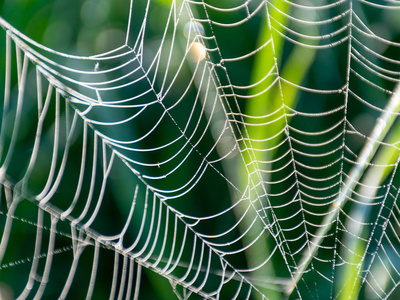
<point>229,111</point>
<point>346,95</point>
<point>299,193</point>
<point>375,228</point>
<point>352,180</point>
<point>78,96</point>
<point>179,216</point>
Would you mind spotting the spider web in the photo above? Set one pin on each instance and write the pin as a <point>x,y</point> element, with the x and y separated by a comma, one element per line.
<point>242,150</point>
